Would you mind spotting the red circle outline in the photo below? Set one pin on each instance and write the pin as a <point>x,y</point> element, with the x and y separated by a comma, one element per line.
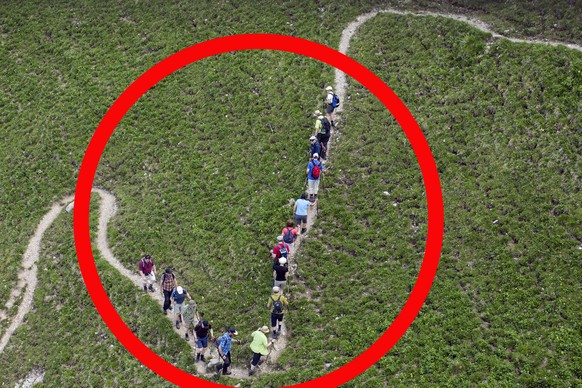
<point>259,42</point>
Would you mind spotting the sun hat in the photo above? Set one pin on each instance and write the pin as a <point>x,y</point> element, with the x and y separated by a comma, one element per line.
<point>264,329</point>
<point>317,112</point>
<point>180,290</point>
<point>282,260</point>
<point>329,88</point>
<point>276,289</point>
<point>279,238</point>
<point>312,138</point>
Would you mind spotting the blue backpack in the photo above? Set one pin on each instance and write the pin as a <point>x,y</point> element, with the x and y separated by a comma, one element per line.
<point>335,101</point>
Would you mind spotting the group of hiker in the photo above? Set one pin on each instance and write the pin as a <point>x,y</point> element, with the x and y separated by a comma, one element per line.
<point>198,328</point>
<point>194,323</point>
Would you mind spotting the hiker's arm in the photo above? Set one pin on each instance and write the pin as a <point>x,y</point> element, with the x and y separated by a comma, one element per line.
<point>154,270</point>
<point>274,274</point>
<point>295,207</point>
<point>188,296</point>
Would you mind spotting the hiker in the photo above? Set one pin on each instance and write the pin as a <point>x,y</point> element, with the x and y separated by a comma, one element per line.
<point>289,234</point>
<point>179,295</point>
<point>147,270</point>
<point>280,250</point>
<point>314,169</point>
<point>259,346</point>
<point>315,146</point>
<point>280,273</point>
<point>224,345</point>
<point>300,212</point>
<point>201,337</point>
<point>322,132</point>
<point>189,314</point>
<point>167,284</point>
<point>278,303</point>
<point>331,102</point>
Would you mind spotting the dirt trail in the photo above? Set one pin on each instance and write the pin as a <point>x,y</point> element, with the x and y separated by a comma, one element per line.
<point>27,277</point>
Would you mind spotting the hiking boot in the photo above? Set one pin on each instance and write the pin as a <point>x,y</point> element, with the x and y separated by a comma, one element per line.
<point>202,358</point>
<point>145,288</point>
<point>151,288</point>
<point>186,337</point>
<point>304,230</point>
<point>227,373</point>
<point>165,312</point>
<point>252,372</point>
<point>218,369</point>
<point>170,308</point>
<point>197,357</point>
<point>275,335</point>
<point>177,324</point>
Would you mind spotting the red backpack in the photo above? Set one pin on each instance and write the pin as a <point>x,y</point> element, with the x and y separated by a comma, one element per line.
<point>316,170</point>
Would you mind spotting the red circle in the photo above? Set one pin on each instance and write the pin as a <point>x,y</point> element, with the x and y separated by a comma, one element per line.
<point>259,42</point>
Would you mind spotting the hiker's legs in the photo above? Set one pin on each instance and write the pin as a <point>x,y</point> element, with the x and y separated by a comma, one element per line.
<point>167,301</point>
<point>329,113</point>
<point>280,323</point>
<point>274,324</point>
<point>315,187</point>
<point>280,284</point>
<point>255,361</point>
<point>226,363</point>
<point>178,307</point>
<point>311,187</point>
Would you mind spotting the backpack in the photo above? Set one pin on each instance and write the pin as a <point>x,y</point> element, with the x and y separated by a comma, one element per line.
<point>283,250</point>
<point>277,305</point>
<point>335,101</point>
<point>288,236</point>
<point>325,125</point>
<point>316,170</point>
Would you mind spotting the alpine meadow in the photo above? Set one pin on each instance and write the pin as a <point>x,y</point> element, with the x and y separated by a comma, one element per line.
<point>205,166</point>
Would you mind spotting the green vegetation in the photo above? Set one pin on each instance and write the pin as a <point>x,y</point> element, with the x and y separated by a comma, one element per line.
<point>503,123</point>
<point>203,167</point>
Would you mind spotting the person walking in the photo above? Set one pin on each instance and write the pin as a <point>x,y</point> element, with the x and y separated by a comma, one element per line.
<point>179,295</point>
<point>190,318</point>
<point>314,169</point>
<point>260,347</point>
<point>167,284</point>
<point>201,331</point>
<point>147,270</point>
<point>289,234</point>
<point>315,147</point>
<point>331,102</point>
<point>322,132</point>
<point>280,273</point>
<point>224,345</point>
<point>277,303</point>
<point>300,212</point>
<point>280,250</point>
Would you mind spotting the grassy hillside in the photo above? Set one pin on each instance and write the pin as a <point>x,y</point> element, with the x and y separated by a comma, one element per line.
<point>204,165</point>
<point>503,123</point>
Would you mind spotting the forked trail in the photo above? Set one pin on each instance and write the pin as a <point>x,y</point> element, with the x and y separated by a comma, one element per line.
<point>27,277</point>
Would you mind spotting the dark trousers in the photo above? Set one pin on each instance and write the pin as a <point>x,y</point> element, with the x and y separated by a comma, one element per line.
<point>226,363</point>
<point>167,295</point>
<point>323,139</point>
<point>256,359</point>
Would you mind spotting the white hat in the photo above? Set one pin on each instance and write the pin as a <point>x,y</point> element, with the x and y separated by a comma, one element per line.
<point>282,260</point>
<point>317,112</point>
<point>312,138</point>
<point>279,238</point>
<point>329,88</point>
<point>315,155</point>
<point>276,289</point>
<point>180,290</point>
